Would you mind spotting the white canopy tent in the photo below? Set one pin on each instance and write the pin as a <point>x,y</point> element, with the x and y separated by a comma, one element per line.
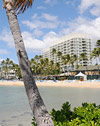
<point>65,74</point>
<point>81,75</point>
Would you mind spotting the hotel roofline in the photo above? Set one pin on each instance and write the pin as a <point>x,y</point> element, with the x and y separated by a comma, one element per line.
<point>66,38</point>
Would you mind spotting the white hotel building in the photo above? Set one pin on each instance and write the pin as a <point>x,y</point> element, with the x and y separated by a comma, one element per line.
<point>73,44</point>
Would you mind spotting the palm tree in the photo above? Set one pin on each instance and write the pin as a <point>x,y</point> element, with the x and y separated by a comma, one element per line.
<point>67,60</point>
<point>70,60</point>
<point>36,103</point>
<point>98,43</point>
<point>98,49</point>
<point>64,62</point>
<point>75,58</point>
<point>94,55</point>
<point>33,65</point>
<point>57,68</point>
<point>59,54</point>
<point>36,58</point>
<point>82,57</point>
<point>53,51</point>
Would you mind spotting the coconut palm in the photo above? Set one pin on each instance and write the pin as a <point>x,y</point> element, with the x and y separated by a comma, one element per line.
<point>98,49</point>
<point>68,58</point>
<point>59,54</point>
<point>67,61</point>
<point>53,51</point>
<point>64,62</point>
<point>94,55</point>
<point>82,57</point>
<point>36,103</point>
<point>98,43</point>
<point>33,65</point>
<point>57,68</point>
<point>74,60</point>
<point>36,58</point>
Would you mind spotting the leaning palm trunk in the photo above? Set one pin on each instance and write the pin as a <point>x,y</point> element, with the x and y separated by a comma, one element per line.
<point>36,103</point>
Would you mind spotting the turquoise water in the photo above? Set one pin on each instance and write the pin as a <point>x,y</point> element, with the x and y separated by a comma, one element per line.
<point>15,110</point>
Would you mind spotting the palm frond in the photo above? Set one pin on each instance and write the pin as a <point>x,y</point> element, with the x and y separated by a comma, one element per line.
<point>22,5</point>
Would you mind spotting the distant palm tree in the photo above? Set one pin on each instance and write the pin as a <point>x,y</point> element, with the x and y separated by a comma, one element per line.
<point>36,103</point>
<point>98,49</point>
<point>57,68</point>
<point>36,58</point>
<point>75,58</point>
<point>40,56</point>
<point>42,64</point>
<point>94,55</point>
<point>52,62</point>
<point>98,43</point>
<point>53,51</point>
<point>66,60</point>
<point>82,57</point>
<point>59,54</point>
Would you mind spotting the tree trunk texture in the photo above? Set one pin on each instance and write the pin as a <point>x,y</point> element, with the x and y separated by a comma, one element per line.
<point>39,110</point>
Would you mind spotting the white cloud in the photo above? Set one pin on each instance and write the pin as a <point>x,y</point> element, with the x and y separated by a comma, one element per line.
<point>34,16</point>
<point>26,34</point>
<point>6,36</point>
<point>84,25</point>
<point>70,2</point>
<point>31,43</point>
<point>41,7</point>
<point>95,11</point>
<point>30,24</point>
<point>47,1</point>
<point>51,2</point>
<point>49,17</point>
<point>92,5</point>
<point>50,37</point>
<point>35,45</point>
<point>45,21</point>
<point>3,51</point>
<point>37,33</point>
<point>40,24</point>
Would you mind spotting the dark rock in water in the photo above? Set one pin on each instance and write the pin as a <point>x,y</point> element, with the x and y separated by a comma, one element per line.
<point>4,120</point>
<point>20,125</point>
<point>14,116</point>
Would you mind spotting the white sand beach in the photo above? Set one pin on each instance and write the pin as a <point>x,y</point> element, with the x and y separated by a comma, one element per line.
<point>78,84</point>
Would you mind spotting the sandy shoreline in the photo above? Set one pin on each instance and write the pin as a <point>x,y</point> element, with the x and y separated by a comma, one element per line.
<point>77,84</point>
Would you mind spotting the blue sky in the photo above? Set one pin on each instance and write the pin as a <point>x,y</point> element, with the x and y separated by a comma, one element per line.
<point>48,20</point>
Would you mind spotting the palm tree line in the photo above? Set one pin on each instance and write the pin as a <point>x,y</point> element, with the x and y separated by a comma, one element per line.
<point>44,67</point>
<point>68,60</point>
<point>7,66</point>
<point>40,65</point>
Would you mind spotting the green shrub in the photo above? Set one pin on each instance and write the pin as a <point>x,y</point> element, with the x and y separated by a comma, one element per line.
<point>86,115</point>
